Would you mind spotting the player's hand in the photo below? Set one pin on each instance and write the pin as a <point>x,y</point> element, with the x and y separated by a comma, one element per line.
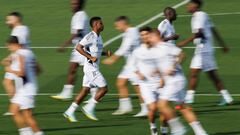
<point>93,59</point>
<point>61,49</point>
<point>108,61</point>
<point>176,36</point>
<point>171,71</point>
<point>162,83</point>
<point>225,49</point>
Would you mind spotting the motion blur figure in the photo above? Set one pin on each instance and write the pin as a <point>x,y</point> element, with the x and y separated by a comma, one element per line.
<point>166,27</point>
<point>203,60</point>
<point>14,21</point>
<point>130,41</point>
<point>23,100</point>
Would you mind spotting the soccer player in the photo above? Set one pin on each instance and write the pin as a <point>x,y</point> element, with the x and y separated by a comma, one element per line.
<point>14,21</point>
<point>79,28</point>
<point>22,102</point>
<point>144,62</point>
<point>166,27</point>
<point>203,60</point>
<point>91,47</point>
<point>130,41</point>
<point>169,59</point>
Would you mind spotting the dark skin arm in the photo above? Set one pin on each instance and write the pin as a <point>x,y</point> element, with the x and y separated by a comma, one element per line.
<point>190,39</point>
<point>173,37</point>
<point>80,49</point>
<point>219,39</point>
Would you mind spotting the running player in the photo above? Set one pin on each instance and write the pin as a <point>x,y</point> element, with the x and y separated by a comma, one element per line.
<point>203,60</point>
<point>166,27</point>
<point>23,100</point>
<point>169,59</point>
<point>91,47</point>
<point>130,41</point>
<point>79,28</point>
<point>14,21</point>
<point>144,63</point>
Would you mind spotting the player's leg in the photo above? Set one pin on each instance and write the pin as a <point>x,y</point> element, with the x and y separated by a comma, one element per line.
<point>67,90</point>
<point>125,105</point>
<point>191,118</point>
<point>8,84</point>
<point>152,108</point>
<point>31,122</point>
<point>193,82</point>
<point>144,110</point>
<point>220,86</point>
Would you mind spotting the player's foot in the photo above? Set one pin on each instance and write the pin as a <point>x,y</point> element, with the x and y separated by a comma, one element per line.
<point>7,114</point>
<point>62,97</point>
<point>141,114</point>
<point>122,112</point>
<point>179,132</point>
<point>90,114</point>
<point>70,117</point>
<point>224,103</point>
<point>154,131</point>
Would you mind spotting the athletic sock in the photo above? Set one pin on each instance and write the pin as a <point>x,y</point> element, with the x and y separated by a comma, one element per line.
<point>125,104</point>
<point>175,125</point>
<point>190,95</point>
<point>144,107</point>
<point>164,130</point>
<point>90,106</point>
<point>227,97</point>
<point>67,90</point>
<point>197,128</point>
<point>72,108</point>
<point>25,131</point>
<point>152,125</point>
<point>39,133</point>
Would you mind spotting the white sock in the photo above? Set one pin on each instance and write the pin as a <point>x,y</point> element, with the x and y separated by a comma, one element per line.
<point>164,130</point>
<point>93,92</point>
<point>197,128</point>
<point>90,106</point>
<point>190,95</point>
<point>175,125</point>
<point>25,131</point>
<point>227,97</point>
<point>144,107</point>
<point>152,125</point>
<point>39,133</point>
<point>67,90</point>
<point>125,104</point>
<point>72,108</point>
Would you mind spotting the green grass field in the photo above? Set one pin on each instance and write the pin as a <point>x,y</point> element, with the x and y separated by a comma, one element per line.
<point>49,23</point>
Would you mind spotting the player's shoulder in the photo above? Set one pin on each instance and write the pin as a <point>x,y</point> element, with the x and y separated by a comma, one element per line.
<point>80,14</point>
<point>139,49</point>
<point>200,14</point>
<point>133,30</point>
<point>21,28</point>
<point>90,35</point>
<point>25,52</point>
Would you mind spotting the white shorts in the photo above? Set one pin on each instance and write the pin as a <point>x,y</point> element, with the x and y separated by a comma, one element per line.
<point>18,81</point>
<point>127,73</point>
<point>174,91</point>
<point>94,79</point>
<point>205,61</point>
<point>149,92</point>
<point>76,57</point>
<point>23,97</point>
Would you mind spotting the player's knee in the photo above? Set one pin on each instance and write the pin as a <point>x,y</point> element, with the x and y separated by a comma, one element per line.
<point>120,84</point>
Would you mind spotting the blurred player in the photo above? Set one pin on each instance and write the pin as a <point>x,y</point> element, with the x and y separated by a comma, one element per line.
<point>79,28</point>
<point>22,102</point>
<point>166,27</point>
<point>144,62</point>
<point>14,21</point>
<point>91,47</point>
<point>203,60</point>
<point>130,41</point>
<point>169,59</point>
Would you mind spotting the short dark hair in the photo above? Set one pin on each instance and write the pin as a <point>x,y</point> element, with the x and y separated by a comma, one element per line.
<point>16,14</point>
<point>122,18</point>
<point>198,2</point>
<point>168,9</point>
<point>94,19</point>
<point>146,28</point>
<point>12,40</point>
<point>81,4</point>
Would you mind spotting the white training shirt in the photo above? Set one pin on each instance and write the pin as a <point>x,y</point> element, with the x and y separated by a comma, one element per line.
<point>23,34</point>
<point>167,30</point>
<point>200,20</point>
<point>130,41</point>
<point>79,22</point>
<point>93,44</point>
<point>145,62</point>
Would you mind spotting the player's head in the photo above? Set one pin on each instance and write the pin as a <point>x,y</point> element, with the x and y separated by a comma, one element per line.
<point>13,44</point>
<point>122,23</point>
<point>170,13</point>
<point>154,37</point>
<point>144,33</point>
<point>13,19</point>
<point>77,5</point>
<point>194,5</point>
<point>96,23</point>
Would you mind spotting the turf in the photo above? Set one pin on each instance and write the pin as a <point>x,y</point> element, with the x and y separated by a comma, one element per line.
<point>49,24</point>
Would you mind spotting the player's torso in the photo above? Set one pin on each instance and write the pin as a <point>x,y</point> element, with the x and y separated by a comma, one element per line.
<point>167,30</point>
<point>23,34</point>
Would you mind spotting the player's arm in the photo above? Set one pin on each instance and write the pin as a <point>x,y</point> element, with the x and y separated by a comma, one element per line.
<point>39,69</point>
<point>21,71</point>
<point>185,42</point>
<point>6,61</point>
<point>173,37</point>
<point>219,39</point>
<point>80,49</point>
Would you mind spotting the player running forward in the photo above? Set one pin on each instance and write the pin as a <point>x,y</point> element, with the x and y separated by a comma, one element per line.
<point>14,21</point>
<point>166,27</point>
<point>79,28</point>
<point>203,60</point>
<point>144,62</point>
<point>130,41</point>
<point>23,100</point>
<point>169,59</point>
<point>91,47</point>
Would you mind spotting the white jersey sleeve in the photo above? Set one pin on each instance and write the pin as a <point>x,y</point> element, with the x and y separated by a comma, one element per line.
<point>87,40</point>
<point>78,22</point>
<point>22,33</point>
<point>200,21</point>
